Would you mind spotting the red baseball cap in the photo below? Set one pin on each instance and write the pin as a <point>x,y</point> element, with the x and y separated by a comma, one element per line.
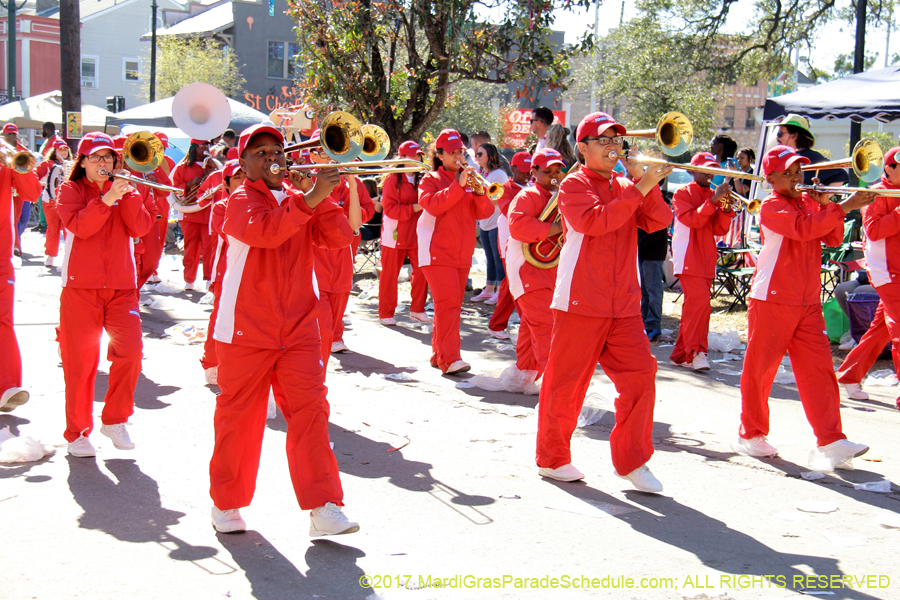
<point>231,167</point>
<point>232,153</point>
<point>163,138</point>
<point>58,144</point>
<point>596,123</point>
<point>10,128</point>
<point>522,161</point>
<point>119,141</point>
<point>780,158</point>
<point>410,149</point>
<point>545,157</point>
<point>704,159</point>
<point>250,132</point>
<point>449,141</point>
<point>890,157</point>
<point>94,142</point>
<point>199,142</point>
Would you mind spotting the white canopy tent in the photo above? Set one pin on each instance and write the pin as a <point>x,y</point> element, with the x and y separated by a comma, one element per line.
<point>33,112</point>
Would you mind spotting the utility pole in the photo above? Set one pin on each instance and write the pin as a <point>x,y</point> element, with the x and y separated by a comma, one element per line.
<point>12,69</point>
<point>70,58</point>
<point>859,58</point>
<point>594,57</point>
<point>153,8</point>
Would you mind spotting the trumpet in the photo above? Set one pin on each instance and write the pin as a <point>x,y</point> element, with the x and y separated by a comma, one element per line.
<point>138,181</point>
<point>737,203</point>
<point>20,161</point>
<point>481,185</point>
<point>359,168</point>
<point>866,160</point>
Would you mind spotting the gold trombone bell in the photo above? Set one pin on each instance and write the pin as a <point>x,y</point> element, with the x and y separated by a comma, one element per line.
<point>143,152</point>
<point>866,160</point>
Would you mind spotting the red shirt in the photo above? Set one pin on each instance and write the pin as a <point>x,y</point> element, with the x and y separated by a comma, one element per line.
<point>697,222</point>
<point>526,228</point>
<point>100,251</point>
<point>27,185</point>
<point>216,221</point>
<point>399,220</point>
<point>789,267</point>
<point>881,222</point>
<point>334,266</point>
<point>181,176</point>
<point>597,274</point>
<point>268,297</point>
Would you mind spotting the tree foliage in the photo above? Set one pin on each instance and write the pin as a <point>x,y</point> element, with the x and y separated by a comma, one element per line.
<point>473,106</point>
<point>884,140</point>
<point>180,61</point>
<point>395,62</point>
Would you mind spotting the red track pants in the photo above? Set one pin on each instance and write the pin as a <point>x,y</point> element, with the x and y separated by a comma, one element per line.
<point>391,263</point>
<point>577,345</point>
<point>210,357</point>
<point>504,307</point>
<point>298,379</point>
<point>54,227</point>
<point>11,361</point>
<point>331,319</point>
<point>448,289</point>
<point>535,330</point>
<point>148,261</point>
<point>694,330</point>
<point>885,328</point>
<point>774,329</point>
<point>198,244</point>
<point>83,315</point>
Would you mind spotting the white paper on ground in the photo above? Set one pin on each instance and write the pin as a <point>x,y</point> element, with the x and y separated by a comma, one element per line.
<point>882,487</point>
<point>21,449</point>
<point>888,520</point>
<point>812,475</point>
<point>844,542</point>
<point>817,506</point>
<point>793,517</point>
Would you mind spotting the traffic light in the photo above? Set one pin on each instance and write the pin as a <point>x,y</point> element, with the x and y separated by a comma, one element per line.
<point>115,103</point>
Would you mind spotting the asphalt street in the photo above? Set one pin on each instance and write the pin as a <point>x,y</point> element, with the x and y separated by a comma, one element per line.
<point>441,477</point>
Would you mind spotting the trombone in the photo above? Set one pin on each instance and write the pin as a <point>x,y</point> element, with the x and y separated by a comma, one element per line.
<point>360,168</point>
<point>866,160</point>
<point>139,181</point>
<point>20,161</point>
<point>846,191</point>
<point>340,137</point>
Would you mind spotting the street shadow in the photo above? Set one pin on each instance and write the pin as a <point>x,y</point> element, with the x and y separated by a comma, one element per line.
<point>8,471</point>
<point>355,362</point>
<point>712,541</point>
<point>500,397</point>
<point>129,508</point>
<point>147,393</point>
<point>332,569</point>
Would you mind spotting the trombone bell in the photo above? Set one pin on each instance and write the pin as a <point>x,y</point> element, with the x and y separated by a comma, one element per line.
<point>376,143</point>
<point>674,133</point>
<point>143,152</point>
<point>341,136</point>
<point>866,160</point>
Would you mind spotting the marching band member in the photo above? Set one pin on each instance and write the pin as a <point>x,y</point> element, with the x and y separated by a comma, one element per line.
<point>189,175</point>
<point>446,244</point>
<point>881,221</point>
<point>11,392</point>
<point>699,217</point>
<point>268,336</point>
<point>520,166</point>
<point>99,292</point>
<point>400,198</point>
<point>596,307</point>
<point>784,314</point>
<point>23,194</point>
<point>334,266</point>
<point>532,287</point>
<point>52,171</point>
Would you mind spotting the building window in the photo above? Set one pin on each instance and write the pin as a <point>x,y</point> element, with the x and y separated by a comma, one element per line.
<point>729,116</point>
<point>750,123</point>
<point>131,69</point>
<point>281,63</point>
<point>90,71</point>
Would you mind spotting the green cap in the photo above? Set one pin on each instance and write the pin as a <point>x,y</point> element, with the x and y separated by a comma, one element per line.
<point>796,121</point>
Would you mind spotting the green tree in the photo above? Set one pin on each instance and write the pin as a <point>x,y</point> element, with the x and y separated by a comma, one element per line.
<point>473,106</point>
<point>884,140</point>
<point>180,61</point>
<point>395,62</point>
<point>843,64</point>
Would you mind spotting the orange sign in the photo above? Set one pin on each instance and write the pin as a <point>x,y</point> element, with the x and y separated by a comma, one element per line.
<point>519,121</point>
<point>287,98</point>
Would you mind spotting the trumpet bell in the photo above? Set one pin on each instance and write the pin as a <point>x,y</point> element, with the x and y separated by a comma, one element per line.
<point>674,133</point>
<point>143,152</point>
<point>376,143</point>
<point>201,111</point>
<point>341,136</point>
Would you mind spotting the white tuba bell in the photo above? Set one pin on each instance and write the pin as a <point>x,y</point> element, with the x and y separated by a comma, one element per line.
<point>201,111</point>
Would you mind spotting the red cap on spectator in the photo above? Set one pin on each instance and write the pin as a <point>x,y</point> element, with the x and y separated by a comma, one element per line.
<point>10,128</point>
<point>449,141</point>
<point>95,141</point>
<point>231,167</point>
<point>163,138</point>
<point>545,157</point>
<point>232,153</point>
<point>890,158</point>
<point>780,158</point>
<point>410,149</point>
<point>522,161</point>
<point>250,132</point>
<point>596,123</point>
<point>704,159</point>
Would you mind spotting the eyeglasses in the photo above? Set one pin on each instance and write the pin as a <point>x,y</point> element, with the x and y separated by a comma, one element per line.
<point>604,141</point>
<point>95,158</point>
<point>479,154</point>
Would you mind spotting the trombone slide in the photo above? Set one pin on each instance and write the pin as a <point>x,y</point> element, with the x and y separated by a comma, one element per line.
<point>138,181</point>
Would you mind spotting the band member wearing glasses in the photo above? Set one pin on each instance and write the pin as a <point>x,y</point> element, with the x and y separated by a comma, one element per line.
<point>602,323</point>
<point>450,207</point>
<point>881,221</point>
<point>102,217</point>
<point>784,314</point>
<point>699,217</point>
<point>268,336</point>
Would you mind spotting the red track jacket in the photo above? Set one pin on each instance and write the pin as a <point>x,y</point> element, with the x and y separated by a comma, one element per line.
<point>29,188</point>
<point>881,221</point>
<point>334,265</point>
<point>399,220</point>
<point>697,222</point>
<point>524,226</point>
<point>181,175</point>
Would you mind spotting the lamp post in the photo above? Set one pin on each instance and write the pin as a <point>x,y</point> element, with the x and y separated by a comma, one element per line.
<point>153,8</point>
<point>11,67</point>
<point>859,57</point>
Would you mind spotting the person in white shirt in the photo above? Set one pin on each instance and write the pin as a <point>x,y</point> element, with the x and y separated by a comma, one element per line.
<point>541,120</point>
<point>488,158</point>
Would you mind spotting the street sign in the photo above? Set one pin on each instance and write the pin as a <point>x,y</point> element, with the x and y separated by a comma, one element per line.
<point>519,123</point>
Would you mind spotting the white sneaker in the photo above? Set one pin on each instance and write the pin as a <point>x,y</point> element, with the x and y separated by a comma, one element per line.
<point>841,452</point>
<point>643,480</point>
<point>188,285</point>
<point>855,391</point>
<point>484,295</point>
<point>338,347</point>
<point>212,375</point>
<point>330,520</point>
<point>687,365</point>
<point>154,279</point>
<point>848,345</point>
<point>389,321</point>
<point>49,261</point>
<point>500,335</point>
<point>700,363</point>
<point>228,521</point>
<point>458,366</point>
<point>493,299</point>
<point>81,447</point>
<point>118,433</point>
<point>564,473</point>
<point>12,398</point>
<point>420,317</point>
<point>758,447</point>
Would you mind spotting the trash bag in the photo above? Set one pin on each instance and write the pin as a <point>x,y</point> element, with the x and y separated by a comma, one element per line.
<point>724,342</point>
<point>836,322</point>
<point>595,406</point>
<point>21,449</point>
<point>510,379</point>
